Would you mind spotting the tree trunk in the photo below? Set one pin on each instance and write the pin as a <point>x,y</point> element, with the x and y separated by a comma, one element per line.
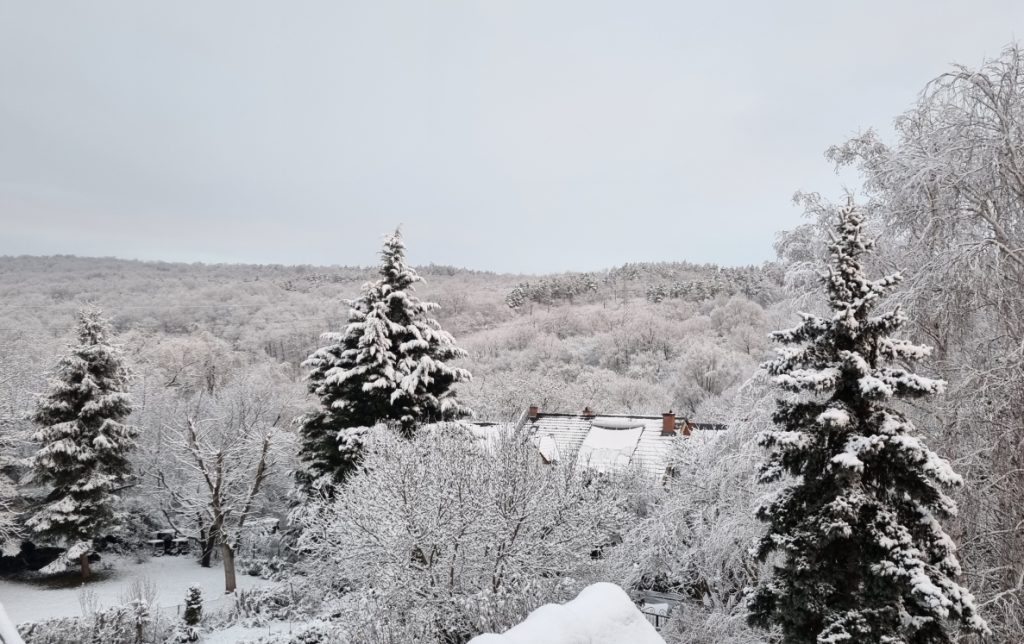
<point>207,542</point>
<point>229,568</point>
<point>84,562</point>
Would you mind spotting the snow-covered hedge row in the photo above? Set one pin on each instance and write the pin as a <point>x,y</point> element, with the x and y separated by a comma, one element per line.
<point>131,623</point>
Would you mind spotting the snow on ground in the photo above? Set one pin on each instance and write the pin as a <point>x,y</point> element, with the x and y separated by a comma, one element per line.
<point>601,614</point>
<point>37,600</point>
<point>239,633</point>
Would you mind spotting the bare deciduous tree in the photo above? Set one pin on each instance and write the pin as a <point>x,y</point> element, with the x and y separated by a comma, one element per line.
<point>226,446</point>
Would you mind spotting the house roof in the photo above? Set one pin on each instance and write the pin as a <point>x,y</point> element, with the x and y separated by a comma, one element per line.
<point>609,442</point>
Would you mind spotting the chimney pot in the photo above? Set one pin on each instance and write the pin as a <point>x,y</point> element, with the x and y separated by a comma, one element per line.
<point>587,413</point>
<point>668,423</point>
<point>533,412</point>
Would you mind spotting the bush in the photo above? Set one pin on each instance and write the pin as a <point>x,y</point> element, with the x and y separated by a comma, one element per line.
<point>131,623</point>
<point>696,624</point>
<point>267,603</point>
<point>193,605</point>
<point>264,568</point>
<point>315,633</point>
<point>451,534</point>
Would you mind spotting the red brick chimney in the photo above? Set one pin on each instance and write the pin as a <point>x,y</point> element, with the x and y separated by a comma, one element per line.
<point>668,424</point>
<point>587,413</point>
<point>533,412</point>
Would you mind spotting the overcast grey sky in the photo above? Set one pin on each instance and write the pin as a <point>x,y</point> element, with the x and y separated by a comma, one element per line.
<point>506,135</point>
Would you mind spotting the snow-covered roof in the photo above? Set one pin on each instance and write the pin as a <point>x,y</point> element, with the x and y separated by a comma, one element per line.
<point>608,449</point>
<point>608,442</point>
<point>487,434</point>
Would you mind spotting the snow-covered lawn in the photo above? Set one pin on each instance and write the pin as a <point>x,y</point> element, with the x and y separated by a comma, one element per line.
<point>37,600</point>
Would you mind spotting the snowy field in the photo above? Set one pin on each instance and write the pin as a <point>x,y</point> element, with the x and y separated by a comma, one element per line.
<point>37,600</point>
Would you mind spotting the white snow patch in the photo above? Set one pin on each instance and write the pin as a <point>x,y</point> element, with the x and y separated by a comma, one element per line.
<point>616,423</point>
<point>548,448</point>
<point>601,614</point>
<point>34,602</point>
<point>608,450</point>
<point>239,633</point>
<point>835,417</point>
<point>849,460</point>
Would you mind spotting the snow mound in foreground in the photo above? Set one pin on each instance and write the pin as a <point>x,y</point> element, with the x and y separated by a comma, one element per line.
<point>601,614</point>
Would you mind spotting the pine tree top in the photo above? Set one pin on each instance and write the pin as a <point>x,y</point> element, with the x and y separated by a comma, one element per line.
<point>851,340</point>
<point>398,276</point>
<point>91,381</point>
<point>92,328</point>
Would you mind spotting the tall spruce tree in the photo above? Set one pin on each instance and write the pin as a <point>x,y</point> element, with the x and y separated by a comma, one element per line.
<point>85,441</point>
<point>862,556</point>
<point>389,365</point>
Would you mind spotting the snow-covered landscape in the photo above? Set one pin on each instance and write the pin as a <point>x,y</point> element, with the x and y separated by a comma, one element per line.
<point>489,323</point>
<point>33,600</point>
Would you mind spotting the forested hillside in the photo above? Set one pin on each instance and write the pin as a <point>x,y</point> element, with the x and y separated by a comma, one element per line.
<point>612,347</point>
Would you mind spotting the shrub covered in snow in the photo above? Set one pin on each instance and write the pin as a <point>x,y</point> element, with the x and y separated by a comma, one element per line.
<point>696,540</point>
<point>264,603</point>
<point>187,630</point>
<point>131,623</point>
<point>313,633</point>
<point>460,530</point>
<point>193,605</point>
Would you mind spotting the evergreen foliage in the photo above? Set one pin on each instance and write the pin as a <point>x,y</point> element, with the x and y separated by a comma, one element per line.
<point>389,365</point>
<point>863,555</point>
<point>193,605</point>
<point>85,441</point>
<point>552,289</point>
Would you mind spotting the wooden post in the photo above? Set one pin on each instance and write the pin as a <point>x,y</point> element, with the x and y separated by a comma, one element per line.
<point>84,562</point>
<point>229,568</point>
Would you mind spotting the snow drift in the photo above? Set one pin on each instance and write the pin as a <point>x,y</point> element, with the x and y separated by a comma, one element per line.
<point>601,614</point>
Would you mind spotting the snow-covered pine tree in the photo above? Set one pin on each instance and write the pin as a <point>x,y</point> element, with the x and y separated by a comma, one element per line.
<point>85,441</point>
<point>10,528</point>
<point>193,605</point>
<point>863,557</point>
<point>389,365</point>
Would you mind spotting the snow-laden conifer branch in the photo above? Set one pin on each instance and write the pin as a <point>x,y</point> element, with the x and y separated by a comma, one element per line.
<point>862,551</point>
